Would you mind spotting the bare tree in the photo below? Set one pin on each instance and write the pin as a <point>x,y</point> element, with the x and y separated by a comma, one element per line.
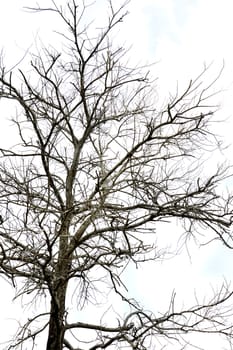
<point>97,167</point>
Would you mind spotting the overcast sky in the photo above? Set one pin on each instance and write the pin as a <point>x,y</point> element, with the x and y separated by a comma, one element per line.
<point>180,36</point>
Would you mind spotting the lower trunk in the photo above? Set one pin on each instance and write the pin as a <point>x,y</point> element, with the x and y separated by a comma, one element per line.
<point>57,312</point>
<point>56,327</point>
<point>58,296</point>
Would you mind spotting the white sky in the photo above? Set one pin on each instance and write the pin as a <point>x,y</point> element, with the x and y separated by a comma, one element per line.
<point>180,35</point>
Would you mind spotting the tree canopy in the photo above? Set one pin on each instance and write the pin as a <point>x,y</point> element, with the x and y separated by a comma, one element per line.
<point>97,168</point>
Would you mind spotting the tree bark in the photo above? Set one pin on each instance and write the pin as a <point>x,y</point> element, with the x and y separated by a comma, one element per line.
<point>58,298</point>
<point>56,331</point>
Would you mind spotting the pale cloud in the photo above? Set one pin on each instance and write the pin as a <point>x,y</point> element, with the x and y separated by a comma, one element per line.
<point>204,36</point>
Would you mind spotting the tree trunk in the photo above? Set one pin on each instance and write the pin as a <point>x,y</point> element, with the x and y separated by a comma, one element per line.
<point>58,300</point>
<point>56,329</point>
